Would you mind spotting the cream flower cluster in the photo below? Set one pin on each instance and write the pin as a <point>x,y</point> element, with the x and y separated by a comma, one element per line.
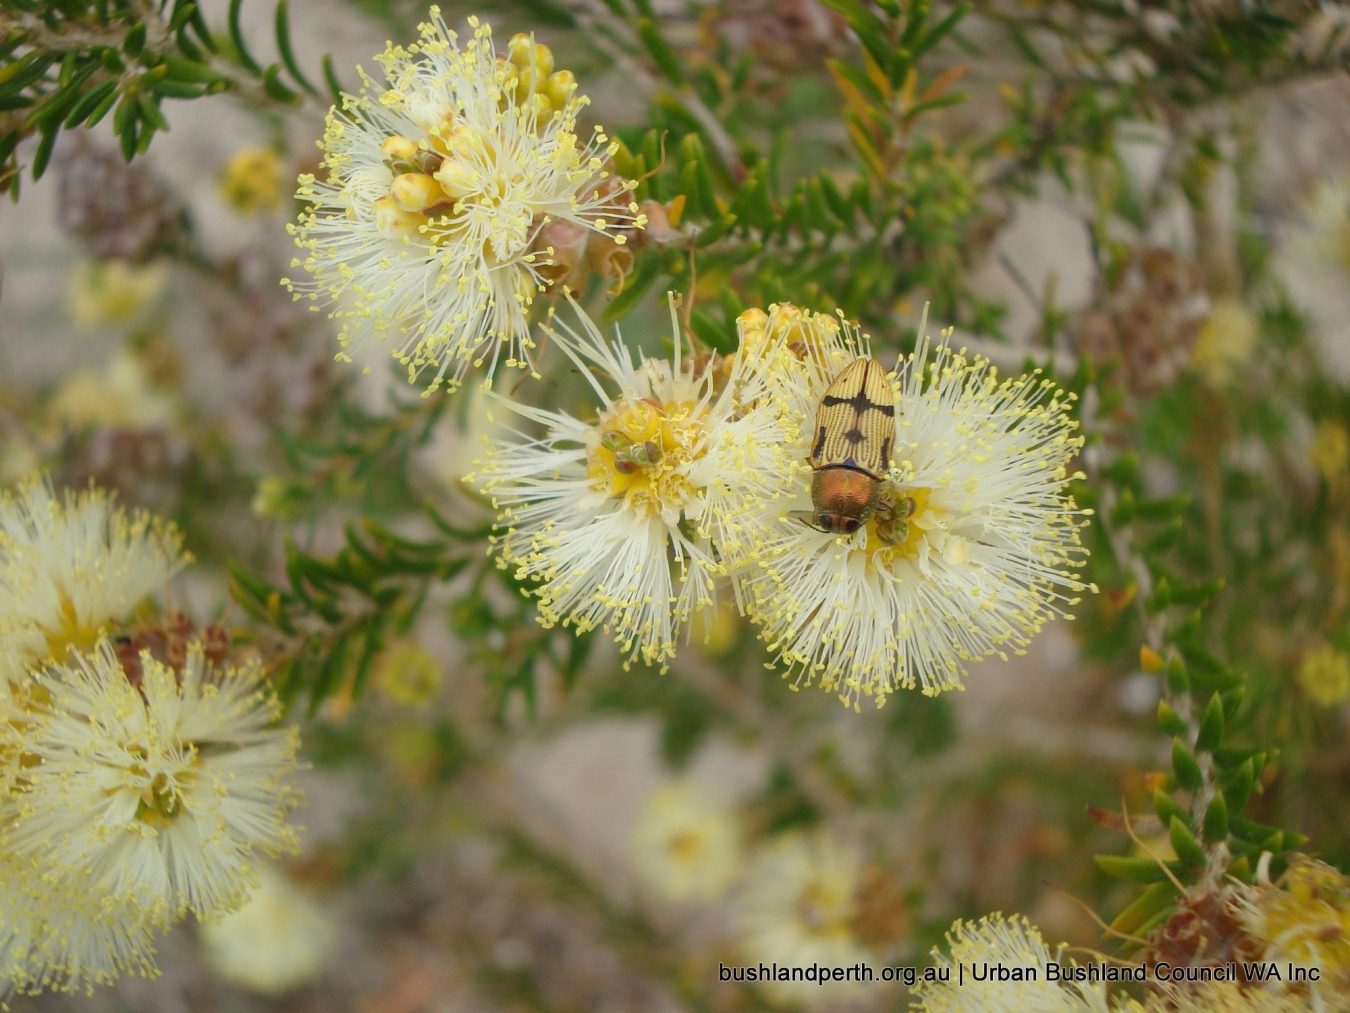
<point>1302,924</point>
<point>974,539</point>
<point>804,903</point>
<point>433,224</point>
<point>442,191</point>
<point>686,844</point>
<point>1015,945</point>
<point>136,786</point>
<point>692,471</point>
<point>797,899</point>
<point>615,519</point>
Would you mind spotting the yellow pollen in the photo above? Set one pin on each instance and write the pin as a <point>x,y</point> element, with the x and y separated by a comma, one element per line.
<point>71,634</point>
<point>685,845</point>
<point>813,908</point>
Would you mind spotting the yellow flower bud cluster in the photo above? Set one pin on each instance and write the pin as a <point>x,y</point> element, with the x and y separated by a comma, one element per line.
<point>527,70</point>
<point>432,174</point>
<point>429,177</point>
<point>415,194</point>
<point>466,168</point>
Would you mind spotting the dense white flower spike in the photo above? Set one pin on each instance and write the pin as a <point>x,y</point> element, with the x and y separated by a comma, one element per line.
<point>610,517</point>
<point>971,548</point>
<point>1013,944</point>
<point>424,228</point>
<point>69,565</point>
<point>157,794</point>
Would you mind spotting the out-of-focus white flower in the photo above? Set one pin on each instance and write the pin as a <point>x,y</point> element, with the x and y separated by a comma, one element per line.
<point>1225,341</point>
<point>425,227</point>
<point>281,938</point>
<point>69,565</point>
<point>121,394</point>
<point>113,291</point>
<point>1314,262</point>
<point>251,181</point>
<point>449,454</point>
<point>158,795</point>
<point>970,550</point>
<point>996,941</point>
<point>686,844</point>
<point>407,674</point>
<point>800,908</point>
<point>610,517</point>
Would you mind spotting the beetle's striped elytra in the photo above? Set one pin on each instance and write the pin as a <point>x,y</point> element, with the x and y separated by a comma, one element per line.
<point>851,449</point>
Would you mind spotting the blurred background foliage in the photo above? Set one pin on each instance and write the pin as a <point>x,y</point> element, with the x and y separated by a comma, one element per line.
<point>1150,201</point>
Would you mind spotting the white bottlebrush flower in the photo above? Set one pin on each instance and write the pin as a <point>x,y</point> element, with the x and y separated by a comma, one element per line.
<point>424,228</point>
<point>972,545</point>
<point>1012,944</point>
<point>121,394</point>
<point>158,795</point>
<point>1213,997</point>
<point>802,906</point>
<point>70,564</point>
<point>611,517</point>
<point>686,844</point>
<point>55,938</point>
<point>280,939</point>
<point>104,292</point>
<point>1304,922</point>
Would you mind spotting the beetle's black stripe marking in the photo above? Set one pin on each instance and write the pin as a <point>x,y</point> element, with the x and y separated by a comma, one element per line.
<point>859,402</point>
<point>854,435</point>
<point>886,451</point>
<point>820,443</point>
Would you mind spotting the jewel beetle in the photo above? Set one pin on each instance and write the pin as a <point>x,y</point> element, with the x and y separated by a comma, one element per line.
<point>851,447</point>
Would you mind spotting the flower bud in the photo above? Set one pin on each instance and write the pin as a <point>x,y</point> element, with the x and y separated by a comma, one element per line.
<point>399,149</point>
<point>415,191</point>
<point>464,142</point>
<point>455,180</point>
<point>560,88</point>
<point>534,59</point>
<point>393,221</point>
